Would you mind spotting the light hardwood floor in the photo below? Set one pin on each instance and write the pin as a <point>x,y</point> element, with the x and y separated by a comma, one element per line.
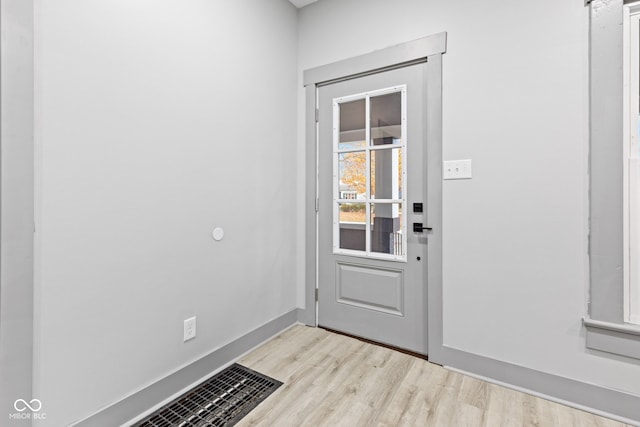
<point>333,380</point>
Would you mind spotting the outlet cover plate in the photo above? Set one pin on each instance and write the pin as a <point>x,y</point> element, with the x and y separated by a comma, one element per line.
<point>457,169</point>
<point>190,328</point>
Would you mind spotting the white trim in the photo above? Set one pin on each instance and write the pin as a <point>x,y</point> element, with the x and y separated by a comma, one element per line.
<point>385,146</point>
<point>625,155</point>
<point>367,131</point>
<point>631,8</point>
<point>405,181</point>
<point>350,150</point>
<point>335,173</point>
<point>610,326</point>
<point>383,201</point>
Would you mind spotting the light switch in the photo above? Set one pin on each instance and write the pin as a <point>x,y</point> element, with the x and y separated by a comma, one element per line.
<point>456,169</point>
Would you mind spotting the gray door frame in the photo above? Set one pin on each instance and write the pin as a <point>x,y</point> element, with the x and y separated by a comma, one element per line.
<point>429,49</point>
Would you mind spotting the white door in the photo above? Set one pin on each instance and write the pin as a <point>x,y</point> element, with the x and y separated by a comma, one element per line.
<point>372,191</point>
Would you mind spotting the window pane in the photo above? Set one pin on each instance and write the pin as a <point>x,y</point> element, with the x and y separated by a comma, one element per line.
<point>386,228</point>
<point>352,175</point>
<point>353,220</point>
<point>386,174</point>
<point>352,125</point>
<point>353,212</point>
<point>386,119</point>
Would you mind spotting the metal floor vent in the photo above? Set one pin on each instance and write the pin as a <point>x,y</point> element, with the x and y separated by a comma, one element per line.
<point>222,400</point>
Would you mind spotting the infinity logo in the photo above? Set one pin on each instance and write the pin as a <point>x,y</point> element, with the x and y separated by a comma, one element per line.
<point>22,405</point>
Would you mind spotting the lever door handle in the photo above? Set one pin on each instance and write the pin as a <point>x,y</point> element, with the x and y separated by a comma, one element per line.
<point>418,228</point>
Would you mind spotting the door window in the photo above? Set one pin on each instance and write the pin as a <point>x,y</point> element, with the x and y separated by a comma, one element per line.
<point>369,174</point>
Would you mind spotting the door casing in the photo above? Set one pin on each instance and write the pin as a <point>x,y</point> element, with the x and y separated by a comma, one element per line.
<point>429,49</point>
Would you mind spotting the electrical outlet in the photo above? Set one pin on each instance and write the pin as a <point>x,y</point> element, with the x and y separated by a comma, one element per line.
<point>457,169</point>
<point>190,328</point>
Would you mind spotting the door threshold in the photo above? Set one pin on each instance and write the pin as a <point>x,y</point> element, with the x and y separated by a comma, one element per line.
<point>379,344</point>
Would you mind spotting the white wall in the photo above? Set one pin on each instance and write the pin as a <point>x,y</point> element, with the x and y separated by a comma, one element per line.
<point>156,122</point>
<point>516,102</point>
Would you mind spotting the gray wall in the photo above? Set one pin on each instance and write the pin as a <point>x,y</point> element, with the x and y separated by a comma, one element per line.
<point>155,123</point>
<point>515,101</point>
<point>16,193</point>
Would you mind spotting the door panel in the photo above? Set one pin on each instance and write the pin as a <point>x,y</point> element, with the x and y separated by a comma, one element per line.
<point>371,170</point>
<point>377,289</point>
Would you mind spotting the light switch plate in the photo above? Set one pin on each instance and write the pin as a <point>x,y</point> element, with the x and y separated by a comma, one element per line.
<point>457,169</point>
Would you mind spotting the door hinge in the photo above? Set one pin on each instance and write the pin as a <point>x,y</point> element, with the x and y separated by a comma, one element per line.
<point>317,115</point>
<point>316,294</point>
<point>317,204</point>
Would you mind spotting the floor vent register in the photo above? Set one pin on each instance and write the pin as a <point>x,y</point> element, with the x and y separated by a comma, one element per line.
<point>222,400</point>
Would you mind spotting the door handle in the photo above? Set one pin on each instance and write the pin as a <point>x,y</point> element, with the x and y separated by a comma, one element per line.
<point>418,228</point>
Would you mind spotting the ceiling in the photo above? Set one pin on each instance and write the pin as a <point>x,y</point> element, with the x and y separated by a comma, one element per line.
<point>301,3</point>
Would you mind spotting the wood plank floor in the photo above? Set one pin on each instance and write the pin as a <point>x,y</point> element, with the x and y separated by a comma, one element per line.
<point>334,380</point>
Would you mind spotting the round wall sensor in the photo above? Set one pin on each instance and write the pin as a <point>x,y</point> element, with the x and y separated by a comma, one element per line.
<point>218,234</point>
